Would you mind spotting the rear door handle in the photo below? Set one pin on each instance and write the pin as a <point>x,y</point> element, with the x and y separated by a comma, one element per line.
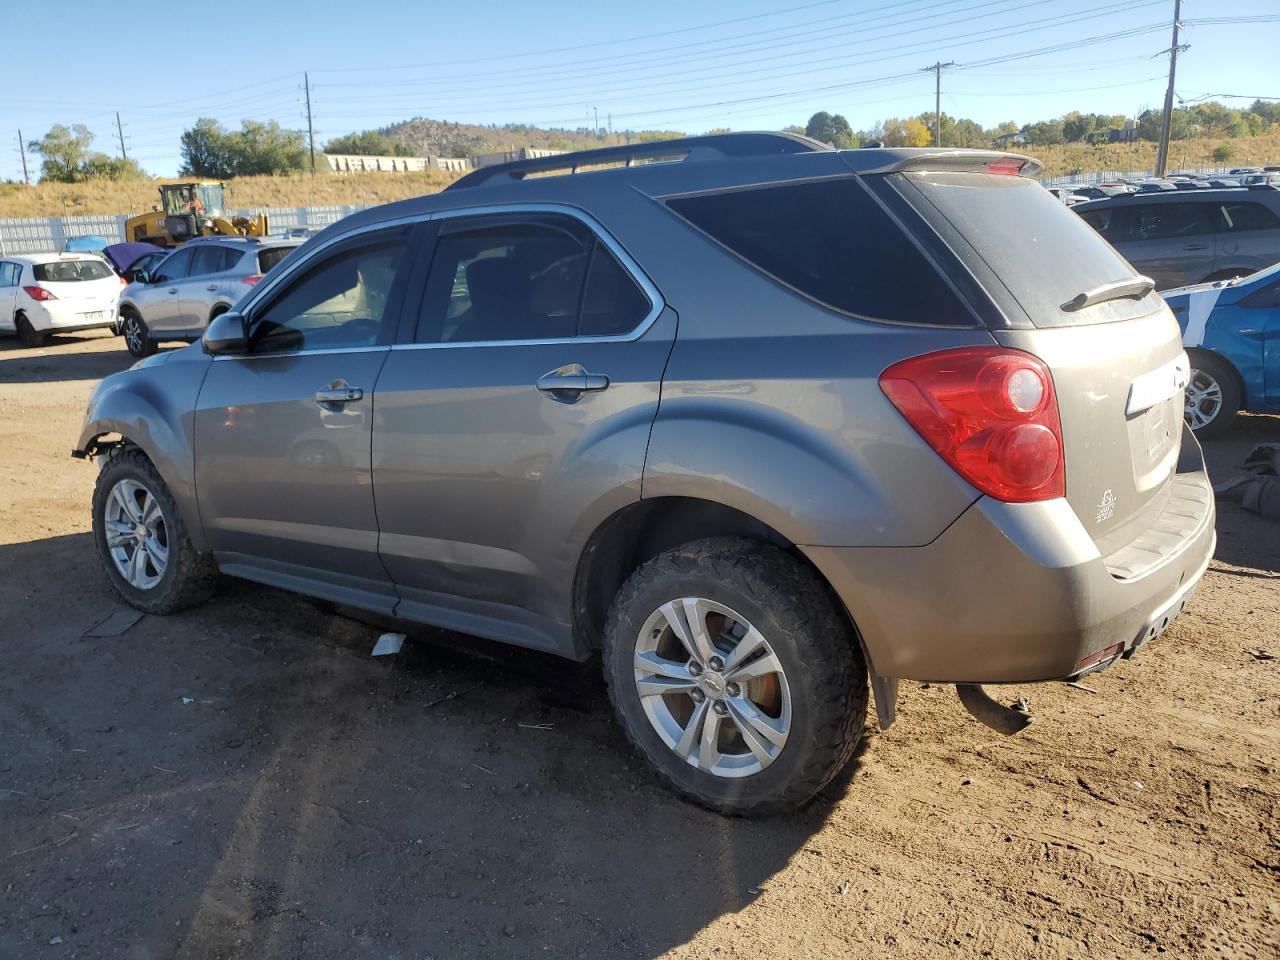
<point>1196,246</point>
<point>338,394</point>
<point>173,289</point>
<point>212,287</point>
<point>569,382</point>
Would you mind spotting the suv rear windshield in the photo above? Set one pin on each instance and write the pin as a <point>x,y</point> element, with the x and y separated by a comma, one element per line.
<point>831,241</point>
<point>70,271</point>
<point>1042,253</point>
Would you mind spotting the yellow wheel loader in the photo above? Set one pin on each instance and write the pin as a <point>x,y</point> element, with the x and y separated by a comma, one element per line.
<point>190,210</point>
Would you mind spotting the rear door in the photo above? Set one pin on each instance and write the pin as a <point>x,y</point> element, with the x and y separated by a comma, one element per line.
<point>1114,364</point>
<point>1248,235</point>
<point>514,418</point>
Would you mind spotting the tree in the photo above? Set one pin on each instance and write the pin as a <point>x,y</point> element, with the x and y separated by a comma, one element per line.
<point>1044,133</point>
<point>66,157</point>
<point>369,143</point>
<point>256,149</point>
<point>1224,152</point>
<point>819,127</point>
<point>841,133</point>
<point>904,133</point>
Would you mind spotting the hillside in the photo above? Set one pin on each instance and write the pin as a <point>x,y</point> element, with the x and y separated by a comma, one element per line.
<point>441,138</point>
<point>105,196</point>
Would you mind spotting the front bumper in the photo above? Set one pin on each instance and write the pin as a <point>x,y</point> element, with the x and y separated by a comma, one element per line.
<point>1017,592</point>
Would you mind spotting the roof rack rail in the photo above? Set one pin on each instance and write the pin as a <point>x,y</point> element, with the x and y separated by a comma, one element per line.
<point>712,147</point>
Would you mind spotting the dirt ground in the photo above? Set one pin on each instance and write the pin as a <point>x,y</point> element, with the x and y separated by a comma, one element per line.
<point>244,780</point>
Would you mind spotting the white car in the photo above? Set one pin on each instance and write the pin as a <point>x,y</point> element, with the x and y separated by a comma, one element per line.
<point>46,293</point>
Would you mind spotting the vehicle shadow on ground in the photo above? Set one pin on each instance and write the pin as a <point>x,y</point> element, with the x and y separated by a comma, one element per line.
<point>1245,539</point>
<point>244,779</point>
<point>50,364</point>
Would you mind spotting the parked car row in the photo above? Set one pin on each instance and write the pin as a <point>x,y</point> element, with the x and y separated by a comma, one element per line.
<point>147,294</point>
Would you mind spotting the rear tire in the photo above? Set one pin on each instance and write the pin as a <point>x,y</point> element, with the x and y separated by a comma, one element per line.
<point>137,339</point>
<point>778,736</point>
<point>29,335</point>
<point>142,541</point>
<point>1213,396</point>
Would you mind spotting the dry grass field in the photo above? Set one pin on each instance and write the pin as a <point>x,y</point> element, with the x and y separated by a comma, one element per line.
<point>108,197</point>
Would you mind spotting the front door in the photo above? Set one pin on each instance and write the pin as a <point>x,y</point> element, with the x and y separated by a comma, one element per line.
<point>517,418</point>
<point>158,300</point>
<point>282,435</point>
<point>197,292</point>
<point>1172,242</point>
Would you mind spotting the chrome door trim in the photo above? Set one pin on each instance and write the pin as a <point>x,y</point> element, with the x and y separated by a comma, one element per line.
<point>299,353</point>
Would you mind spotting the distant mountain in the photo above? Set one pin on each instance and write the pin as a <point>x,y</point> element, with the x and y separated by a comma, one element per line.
<point>441,138</point>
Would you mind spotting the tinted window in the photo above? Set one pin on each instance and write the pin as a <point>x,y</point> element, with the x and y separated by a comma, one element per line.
<point>176,266</point>
<point>1246,216</point>
<point>269,258</point>
<point>510,278</point>
<point>1165,221</point>
<point>71,271</point>
<point>8,274</point>
<point>612,304</point>
<point>830,241</point>
<point>1043,254</point>
<point>1100,220</point>
<point>340,302</point>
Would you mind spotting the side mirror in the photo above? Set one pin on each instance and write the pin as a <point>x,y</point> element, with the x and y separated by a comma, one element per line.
<point>226,335</point>
<point>139,276</point>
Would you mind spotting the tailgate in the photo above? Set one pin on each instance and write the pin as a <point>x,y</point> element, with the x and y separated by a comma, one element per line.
<point>1121,407</point>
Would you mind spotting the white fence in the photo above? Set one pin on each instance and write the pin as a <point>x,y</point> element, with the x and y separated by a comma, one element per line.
<point>50,234</point>
<point>1104,176</point>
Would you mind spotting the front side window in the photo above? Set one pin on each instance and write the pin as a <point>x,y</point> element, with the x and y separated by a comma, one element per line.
<point>175,267</point>
<point>340,302</point>
<point>526,277</point>
<point>71,271</point>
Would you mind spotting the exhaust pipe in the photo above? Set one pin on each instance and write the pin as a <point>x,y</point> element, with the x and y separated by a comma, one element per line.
<point>1002,719</point>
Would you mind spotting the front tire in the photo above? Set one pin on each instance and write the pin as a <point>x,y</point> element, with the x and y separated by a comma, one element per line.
<point>736,675</point>
<point>29,335</point>
<point>1213,396</point>
<point>142,541</point>
<point>137,339</point>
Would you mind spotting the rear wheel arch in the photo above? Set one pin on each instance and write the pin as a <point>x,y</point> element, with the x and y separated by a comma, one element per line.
<point>218,310</point>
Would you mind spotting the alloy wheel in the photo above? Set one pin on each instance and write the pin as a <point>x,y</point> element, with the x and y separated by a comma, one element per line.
<point>133,336</point>
<point>1203,401</point>
<point>136,533</point>
<point>712,687</point>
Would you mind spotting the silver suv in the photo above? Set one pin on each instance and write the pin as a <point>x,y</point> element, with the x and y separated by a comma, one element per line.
<point>176,298</point>
<point>752,419</point>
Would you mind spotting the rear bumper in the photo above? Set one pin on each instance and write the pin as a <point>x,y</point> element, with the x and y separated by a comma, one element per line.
<point>1017,592</point>
<point>65,318</point>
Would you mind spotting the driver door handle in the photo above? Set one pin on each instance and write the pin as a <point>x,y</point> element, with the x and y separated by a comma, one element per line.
<point>571,381</point>
<point>173,289</point>
<point>338,394</point>
<point>212,287</point>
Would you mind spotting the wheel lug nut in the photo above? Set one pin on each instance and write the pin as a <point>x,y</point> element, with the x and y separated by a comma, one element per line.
<point>695,667</point>
<point>720,707</point>
<point>716,664</point>
<point>732,689</point>
<point>697,695</point>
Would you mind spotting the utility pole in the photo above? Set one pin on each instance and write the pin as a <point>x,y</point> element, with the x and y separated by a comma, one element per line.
<point>311,132</point>
<point>610,124</point>
<point>596,128</point>
<point>1166,121</point>
<point>937,69</point>
<point>22,148</point>
<point>120,132</point>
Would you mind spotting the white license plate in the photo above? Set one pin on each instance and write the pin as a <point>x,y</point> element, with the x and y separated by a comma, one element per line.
<point>95,316</point>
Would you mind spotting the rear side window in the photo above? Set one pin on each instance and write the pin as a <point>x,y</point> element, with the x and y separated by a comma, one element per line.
<point>1237,217</point>
<point>212,259</point>
<point>9,274</point>
<point>71,271</point>
<point>1165,221</point>
<point>830,241</point>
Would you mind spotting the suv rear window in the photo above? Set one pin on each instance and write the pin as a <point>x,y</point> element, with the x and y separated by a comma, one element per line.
<point>1042,253</point>
<point>70,271</point>
<point>831,241</point>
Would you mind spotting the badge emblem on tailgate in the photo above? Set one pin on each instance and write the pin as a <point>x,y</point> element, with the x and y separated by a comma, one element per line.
<point>1106,507</point>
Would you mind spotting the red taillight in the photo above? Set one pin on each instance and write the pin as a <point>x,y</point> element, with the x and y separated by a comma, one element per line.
<point>990,412</point>
<point>39,293</point>
<point>252,279</point>
<point>1006,166</point>
<point>124,282</point>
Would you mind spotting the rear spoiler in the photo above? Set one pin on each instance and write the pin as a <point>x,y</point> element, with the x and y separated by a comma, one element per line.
<point>964,161</point>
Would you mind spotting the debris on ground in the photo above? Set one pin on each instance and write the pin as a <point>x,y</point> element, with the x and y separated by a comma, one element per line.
<point>1257,485</point>
<point>388,644</point>
<point>115,624</point>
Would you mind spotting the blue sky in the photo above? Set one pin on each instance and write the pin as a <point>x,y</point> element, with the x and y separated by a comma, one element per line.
<point>743,64</point>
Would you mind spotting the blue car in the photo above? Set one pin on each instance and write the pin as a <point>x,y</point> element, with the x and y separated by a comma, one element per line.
<point>1231,330</point>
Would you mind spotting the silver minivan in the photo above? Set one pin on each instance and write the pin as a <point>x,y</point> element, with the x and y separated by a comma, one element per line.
<point>176,299</point>
<point>759,424</point>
